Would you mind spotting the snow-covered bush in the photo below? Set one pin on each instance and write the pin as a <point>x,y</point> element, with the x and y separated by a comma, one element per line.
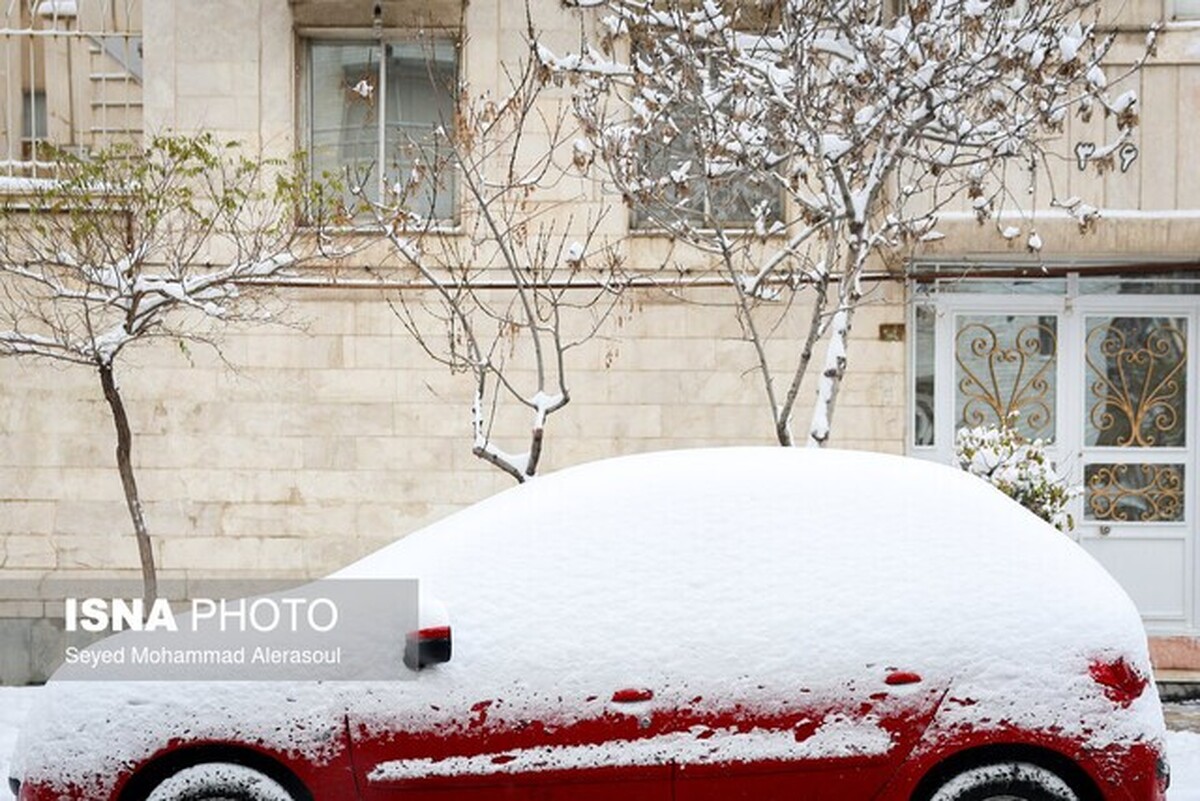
<point>1017,467</point>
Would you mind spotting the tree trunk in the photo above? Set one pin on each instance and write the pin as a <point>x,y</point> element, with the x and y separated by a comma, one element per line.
<point>129,483</point>
<point>830,381</point>
<point>783,423</point>
<point>831,378</point>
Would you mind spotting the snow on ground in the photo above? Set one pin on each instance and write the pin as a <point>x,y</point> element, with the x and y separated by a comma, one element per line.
<point>1183,746</point>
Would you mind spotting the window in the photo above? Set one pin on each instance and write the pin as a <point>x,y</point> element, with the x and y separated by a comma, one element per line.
<point>704,202</point>
<point>1005,369</point>
<point>1185,9</point>
<point>376,112</point>
<point>33,123</point>
<point>924,324</point>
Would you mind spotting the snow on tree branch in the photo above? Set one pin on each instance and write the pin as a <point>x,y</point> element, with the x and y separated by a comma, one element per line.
<point>130,242</point>
<point>522,279</point>
<point>798,141</point>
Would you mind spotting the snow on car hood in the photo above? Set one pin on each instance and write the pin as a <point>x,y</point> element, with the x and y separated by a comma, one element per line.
<point>730,576</point>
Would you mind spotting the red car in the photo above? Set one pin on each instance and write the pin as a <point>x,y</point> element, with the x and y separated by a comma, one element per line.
<point>684,626</point>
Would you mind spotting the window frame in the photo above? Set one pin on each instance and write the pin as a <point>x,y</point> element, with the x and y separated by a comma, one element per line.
<point>306,36</point>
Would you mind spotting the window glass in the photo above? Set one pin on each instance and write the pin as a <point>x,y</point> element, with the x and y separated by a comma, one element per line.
<point>33,125</point>
<point>970,282</point>
<point>421,79</point>
<point>33,118</point>
<point>735,200</point>
<point>373,112</point>
<point>1006,366</point>
<point>1174,283</point>
<point>1136,382</point>
<point>1134,493</point>
<point>343,134</point>
<point>925,318</point>
<point>1185,9</point>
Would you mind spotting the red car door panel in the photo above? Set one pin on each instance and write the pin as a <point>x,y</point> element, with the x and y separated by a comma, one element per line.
<point>639,748</point>
<point>485,759</point>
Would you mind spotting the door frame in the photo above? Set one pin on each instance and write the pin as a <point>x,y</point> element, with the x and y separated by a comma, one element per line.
<point>1071,308</point>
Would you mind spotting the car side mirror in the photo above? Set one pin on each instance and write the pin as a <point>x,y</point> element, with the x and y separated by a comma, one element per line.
<point>427,647</point>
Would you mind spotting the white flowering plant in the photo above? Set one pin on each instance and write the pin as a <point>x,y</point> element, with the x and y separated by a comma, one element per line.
<point>1019,468</point>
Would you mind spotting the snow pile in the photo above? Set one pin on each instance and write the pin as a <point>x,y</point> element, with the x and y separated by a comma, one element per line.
<point>136,719</point>
<point>1183,749</point>
<point>750,583</point>
<point>17,183</point>
<point>15,703</point>
<point>57,8</point>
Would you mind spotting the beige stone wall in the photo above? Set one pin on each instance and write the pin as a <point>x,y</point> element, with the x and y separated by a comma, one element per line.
<point>1150,212</point>
<point>329,441</point>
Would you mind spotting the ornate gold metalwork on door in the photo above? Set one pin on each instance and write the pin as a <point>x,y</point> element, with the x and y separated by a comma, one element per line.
<point>1137,382</point>
<point>1006,364</point>
<point>1134,493</point>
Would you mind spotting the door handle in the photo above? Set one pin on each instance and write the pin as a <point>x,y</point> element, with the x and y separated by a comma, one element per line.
<point>635,695</point>
<point>1105,531</point>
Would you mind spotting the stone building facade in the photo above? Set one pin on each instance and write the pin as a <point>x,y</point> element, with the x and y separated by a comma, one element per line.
<point>336,436</point>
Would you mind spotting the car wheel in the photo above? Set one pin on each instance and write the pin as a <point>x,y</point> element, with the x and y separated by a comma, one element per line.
<point>1006,781</point>
<point>219,781</point>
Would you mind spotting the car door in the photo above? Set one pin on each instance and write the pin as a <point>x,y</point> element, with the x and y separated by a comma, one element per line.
<point>581,749</point>
<point>846,745</point>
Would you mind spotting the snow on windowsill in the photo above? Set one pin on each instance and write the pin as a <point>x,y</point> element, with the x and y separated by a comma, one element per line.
<point>18,184</point>
<point>440,228</point>
<point>1059,215</point>
<point>57,8</point>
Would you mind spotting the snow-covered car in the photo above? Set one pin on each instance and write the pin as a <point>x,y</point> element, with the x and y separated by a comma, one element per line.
<point>683,626</point>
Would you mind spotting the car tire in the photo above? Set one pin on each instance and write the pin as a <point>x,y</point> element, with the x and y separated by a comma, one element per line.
<point>219,781</point>
<point>1006,781</point>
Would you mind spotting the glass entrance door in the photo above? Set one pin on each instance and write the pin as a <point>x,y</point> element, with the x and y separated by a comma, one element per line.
<point>1135,456</point>
<point>1106,382</point>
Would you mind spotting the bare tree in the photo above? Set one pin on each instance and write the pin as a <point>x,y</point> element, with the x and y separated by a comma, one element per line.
<point>793,142</point>
<point>505,291</point>
<point>136,243</point>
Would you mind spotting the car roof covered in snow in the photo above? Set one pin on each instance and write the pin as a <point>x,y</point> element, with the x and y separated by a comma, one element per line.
<point>768,566</point>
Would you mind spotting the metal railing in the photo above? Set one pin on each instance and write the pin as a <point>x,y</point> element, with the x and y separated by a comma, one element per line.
<point>71,75</point>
